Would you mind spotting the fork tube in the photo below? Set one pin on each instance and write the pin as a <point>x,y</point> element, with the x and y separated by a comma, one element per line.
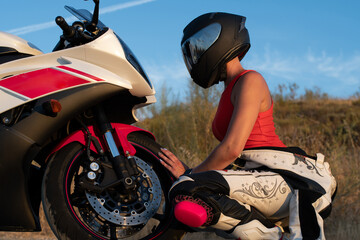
<point>106,129</point>
<point>111,144</point>
<point>118,161</point>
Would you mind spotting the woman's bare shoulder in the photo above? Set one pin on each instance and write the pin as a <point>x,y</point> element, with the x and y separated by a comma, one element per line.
<point>251,86</point>
<point>253,75</point>
<point>251,79</point>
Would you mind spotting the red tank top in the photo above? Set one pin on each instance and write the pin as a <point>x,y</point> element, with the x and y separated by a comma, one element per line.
<point>263,133</point>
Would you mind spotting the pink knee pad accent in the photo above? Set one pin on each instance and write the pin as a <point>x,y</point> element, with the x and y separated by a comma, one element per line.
<point>190,213</point>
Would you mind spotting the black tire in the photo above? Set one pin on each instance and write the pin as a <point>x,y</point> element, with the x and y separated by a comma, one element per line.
<point>70,213</point>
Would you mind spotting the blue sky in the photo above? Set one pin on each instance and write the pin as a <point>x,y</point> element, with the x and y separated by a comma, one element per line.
<point>313,43</point>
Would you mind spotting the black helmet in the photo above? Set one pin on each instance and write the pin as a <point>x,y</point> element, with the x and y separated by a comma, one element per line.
<point>209,42</point>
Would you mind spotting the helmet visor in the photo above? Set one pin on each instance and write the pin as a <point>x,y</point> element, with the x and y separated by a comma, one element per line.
<point>195,46</point>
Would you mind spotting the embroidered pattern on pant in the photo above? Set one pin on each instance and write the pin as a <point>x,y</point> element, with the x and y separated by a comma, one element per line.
<point>309,165</point>
<point>256,190</point>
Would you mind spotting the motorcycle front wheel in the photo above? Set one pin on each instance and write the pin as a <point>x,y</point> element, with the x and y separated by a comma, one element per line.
<point>76,213</point>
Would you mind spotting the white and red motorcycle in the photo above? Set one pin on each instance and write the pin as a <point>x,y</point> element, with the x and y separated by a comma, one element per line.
<point>66,138</point>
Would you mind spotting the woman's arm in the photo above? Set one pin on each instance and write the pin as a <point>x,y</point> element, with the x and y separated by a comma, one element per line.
<point>248,97</point>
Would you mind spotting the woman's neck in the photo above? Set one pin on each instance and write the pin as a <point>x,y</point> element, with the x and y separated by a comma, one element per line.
<point>233,69</point>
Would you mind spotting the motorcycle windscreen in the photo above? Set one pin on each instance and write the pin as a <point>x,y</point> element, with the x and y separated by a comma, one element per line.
<point>84,15</point>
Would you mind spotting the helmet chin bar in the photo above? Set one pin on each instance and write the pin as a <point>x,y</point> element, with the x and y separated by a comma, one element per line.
<point>208,81</point>
<point>219,75</point>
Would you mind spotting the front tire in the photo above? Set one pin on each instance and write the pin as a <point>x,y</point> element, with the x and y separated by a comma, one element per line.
<point>75,213</point>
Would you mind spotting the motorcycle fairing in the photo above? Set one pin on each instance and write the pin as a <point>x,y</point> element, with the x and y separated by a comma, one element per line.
<point>120,136</point>
<point>22,88</point>
<point>18,44</point>
<point>103,57</point>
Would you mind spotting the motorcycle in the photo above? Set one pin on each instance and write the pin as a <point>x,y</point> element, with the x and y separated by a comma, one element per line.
<point>66,138</point>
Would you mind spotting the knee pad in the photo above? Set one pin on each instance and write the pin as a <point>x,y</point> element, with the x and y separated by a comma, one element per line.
<point>190,213</point>
<point>193,211</point>
<point>195,203</point>
<point>191,205</point>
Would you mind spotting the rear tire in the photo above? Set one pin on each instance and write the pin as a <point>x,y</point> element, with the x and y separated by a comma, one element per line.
<point>73,213</point>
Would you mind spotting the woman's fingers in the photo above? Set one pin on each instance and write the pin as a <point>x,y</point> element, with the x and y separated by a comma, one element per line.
<point>167,166</point>
<point>164,159</point>
<point>169,155</point>
<point>171,162</point>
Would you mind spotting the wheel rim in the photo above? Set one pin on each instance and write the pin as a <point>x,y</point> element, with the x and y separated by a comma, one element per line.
<point>104,217</point>
<point>149,199</point>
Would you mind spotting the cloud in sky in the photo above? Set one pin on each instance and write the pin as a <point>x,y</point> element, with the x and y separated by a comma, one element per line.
<point>336,75</point>
<point>344,69</point>
<point>171,75</point>
<point>41,26</point>
<point>273,62</point>
<point>121,6</point>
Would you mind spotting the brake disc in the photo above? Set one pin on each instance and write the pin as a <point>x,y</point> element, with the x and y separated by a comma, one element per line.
<point>135,213</point>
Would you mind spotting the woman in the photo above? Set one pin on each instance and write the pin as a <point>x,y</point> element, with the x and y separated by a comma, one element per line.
<point>241,203</point>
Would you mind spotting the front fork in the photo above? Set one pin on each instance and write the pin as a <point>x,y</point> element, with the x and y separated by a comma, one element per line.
<point>124,167</point>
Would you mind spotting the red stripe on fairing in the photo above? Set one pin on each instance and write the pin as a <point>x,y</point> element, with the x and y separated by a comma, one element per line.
<point>81,73</point>
<point>41,82</point>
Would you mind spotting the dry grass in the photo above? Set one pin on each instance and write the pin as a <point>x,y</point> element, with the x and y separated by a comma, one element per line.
<point>313,121</point>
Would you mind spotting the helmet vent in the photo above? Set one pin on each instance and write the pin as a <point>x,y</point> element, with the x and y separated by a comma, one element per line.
<point>242,24</point>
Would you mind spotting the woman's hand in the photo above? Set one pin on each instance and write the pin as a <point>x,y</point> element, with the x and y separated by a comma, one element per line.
<point>172,163</point>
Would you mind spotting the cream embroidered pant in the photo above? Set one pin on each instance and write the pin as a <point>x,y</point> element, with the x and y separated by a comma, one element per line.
<point>235,194</point>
